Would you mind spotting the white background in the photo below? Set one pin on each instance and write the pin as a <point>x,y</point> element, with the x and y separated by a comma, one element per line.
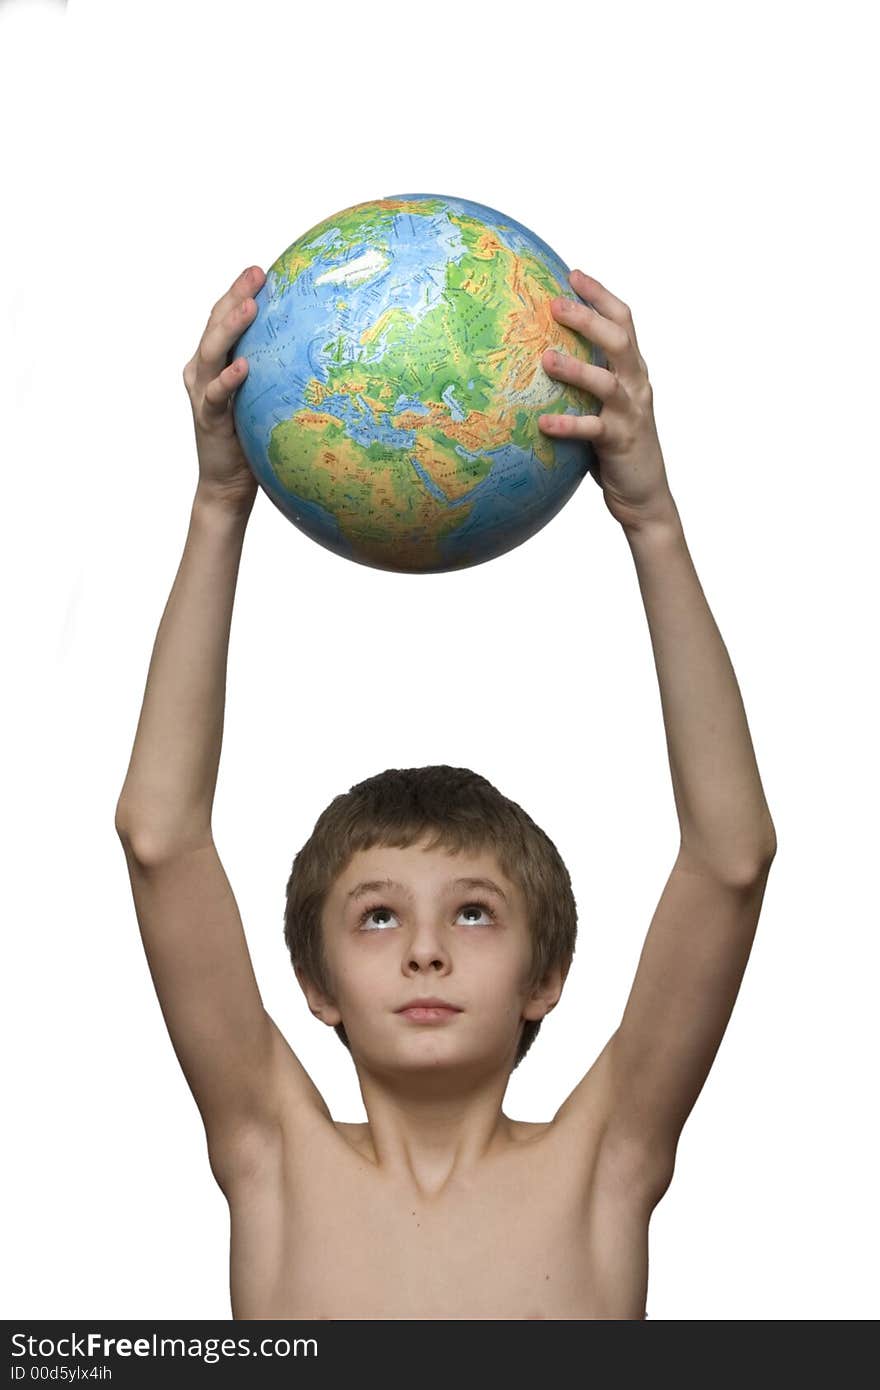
<point>713,166</point>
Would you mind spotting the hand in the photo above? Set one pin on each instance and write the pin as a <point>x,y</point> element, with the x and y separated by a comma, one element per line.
<point>631,473</point>
<point>224,472</point>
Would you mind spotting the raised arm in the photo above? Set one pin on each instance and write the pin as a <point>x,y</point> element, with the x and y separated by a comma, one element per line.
<point>645,1082</point>
<point>700,937</point>
<point>238,1066</point>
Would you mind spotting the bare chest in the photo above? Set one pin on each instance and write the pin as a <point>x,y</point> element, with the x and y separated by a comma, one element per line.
<point>333,1238</point>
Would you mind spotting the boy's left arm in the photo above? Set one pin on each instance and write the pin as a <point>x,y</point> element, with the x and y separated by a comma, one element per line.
<point>698,943</point>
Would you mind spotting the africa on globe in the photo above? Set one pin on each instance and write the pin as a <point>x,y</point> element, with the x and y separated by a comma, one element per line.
<point>394,385</point>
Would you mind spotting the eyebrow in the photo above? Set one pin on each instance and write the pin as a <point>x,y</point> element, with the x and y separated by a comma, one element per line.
<point>376,884</point>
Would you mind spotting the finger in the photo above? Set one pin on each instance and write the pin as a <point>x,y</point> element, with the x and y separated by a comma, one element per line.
<point>571,426</point>
<point>617,343</point>
<point>582,318</point>
<point>588,376</point>
<point>219,337</point>
<point>248,282</point>
<point>607,303</point>
<point>219,392</point>
<point>214,345</point>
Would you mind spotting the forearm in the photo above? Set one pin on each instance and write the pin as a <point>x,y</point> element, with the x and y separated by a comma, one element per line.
<point>723,816</point>
<point>168,792</point>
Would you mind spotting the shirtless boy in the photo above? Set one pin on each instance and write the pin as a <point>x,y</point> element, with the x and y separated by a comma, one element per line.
<point>441,1206</point>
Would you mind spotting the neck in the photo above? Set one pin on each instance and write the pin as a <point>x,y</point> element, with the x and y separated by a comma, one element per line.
<point>431,1130</point>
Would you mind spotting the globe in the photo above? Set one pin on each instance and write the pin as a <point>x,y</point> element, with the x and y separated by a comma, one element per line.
<point>395,382</point>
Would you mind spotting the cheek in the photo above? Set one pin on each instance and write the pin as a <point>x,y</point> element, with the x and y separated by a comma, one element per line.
<point>501,987</point>
<point>364,975</point>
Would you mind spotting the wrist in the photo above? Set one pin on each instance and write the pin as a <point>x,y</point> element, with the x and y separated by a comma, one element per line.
<point>660,521</point>
<point>224,505</point>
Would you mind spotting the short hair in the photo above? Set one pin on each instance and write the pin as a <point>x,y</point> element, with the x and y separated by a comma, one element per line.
<point>398,808</point>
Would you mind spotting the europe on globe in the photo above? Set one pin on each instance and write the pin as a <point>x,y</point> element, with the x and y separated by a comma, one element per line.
<point>394,385</point>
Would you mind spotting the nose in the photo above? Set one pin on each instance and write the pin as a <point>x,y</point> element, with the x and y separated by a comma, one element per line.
<point>426,951</point>
<point>426,963</point>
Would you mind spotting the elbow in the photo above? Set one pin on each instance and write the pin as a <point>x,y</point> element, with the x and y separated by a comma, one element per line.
<point>149,847</point>
<point>134,843</point>
<point>745,871</point>
<point>754,868</point>
<point>130,833</point>
<point>768,851</point>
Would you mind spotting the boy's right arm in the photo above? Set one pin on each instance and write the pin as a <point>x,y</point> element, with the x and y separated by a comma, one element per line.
<point>249,1087</point>
<point>237,1063</point>
<point>251,1090</point>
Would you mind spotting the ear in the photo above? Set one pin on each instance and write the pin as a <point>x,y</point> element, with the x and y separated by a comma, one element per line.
<point>545,996</point>
<point>320,1004</point>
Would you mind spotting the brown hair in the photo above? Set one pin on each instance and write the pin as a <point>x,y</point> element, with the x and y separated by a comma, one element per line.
<point>396,808</point>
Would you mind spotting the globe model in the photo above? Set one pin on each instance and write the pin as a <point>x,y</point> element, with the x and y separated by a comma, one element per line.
<point>394,384</point>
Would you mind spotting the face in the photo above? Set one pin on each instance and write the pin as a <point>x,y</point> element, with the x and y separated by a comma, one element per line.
<point>400,924</point>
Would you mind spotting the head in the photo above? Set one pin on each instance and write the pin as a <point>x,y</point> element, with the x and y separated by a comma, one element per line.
<point>360,954</point>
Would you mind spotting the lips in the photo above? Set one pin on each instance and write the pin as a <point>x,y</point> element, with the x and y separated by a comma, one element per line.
<point>428,1003</point>
<point>429,1009</point>
<point>428,1014</point>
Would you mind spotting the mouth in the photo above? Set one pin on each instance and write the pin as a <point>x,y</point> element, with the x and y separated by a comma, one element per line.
<point>429,1010</point>
<point>429,1013</point>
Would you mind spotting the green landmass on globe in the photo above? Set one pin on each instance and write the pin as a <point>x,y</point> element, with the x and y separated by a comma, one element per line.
<point>395,383</point>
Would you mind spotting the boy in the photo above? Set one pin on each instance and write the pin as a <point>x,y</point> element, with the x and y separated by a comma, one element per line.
<point>427,884</point>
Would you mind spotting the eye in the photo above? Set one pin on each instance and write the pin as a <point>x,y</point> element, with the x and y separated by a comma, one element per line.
<point>381,909</point>
<point>479,907</point>
<point>370,911</point>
